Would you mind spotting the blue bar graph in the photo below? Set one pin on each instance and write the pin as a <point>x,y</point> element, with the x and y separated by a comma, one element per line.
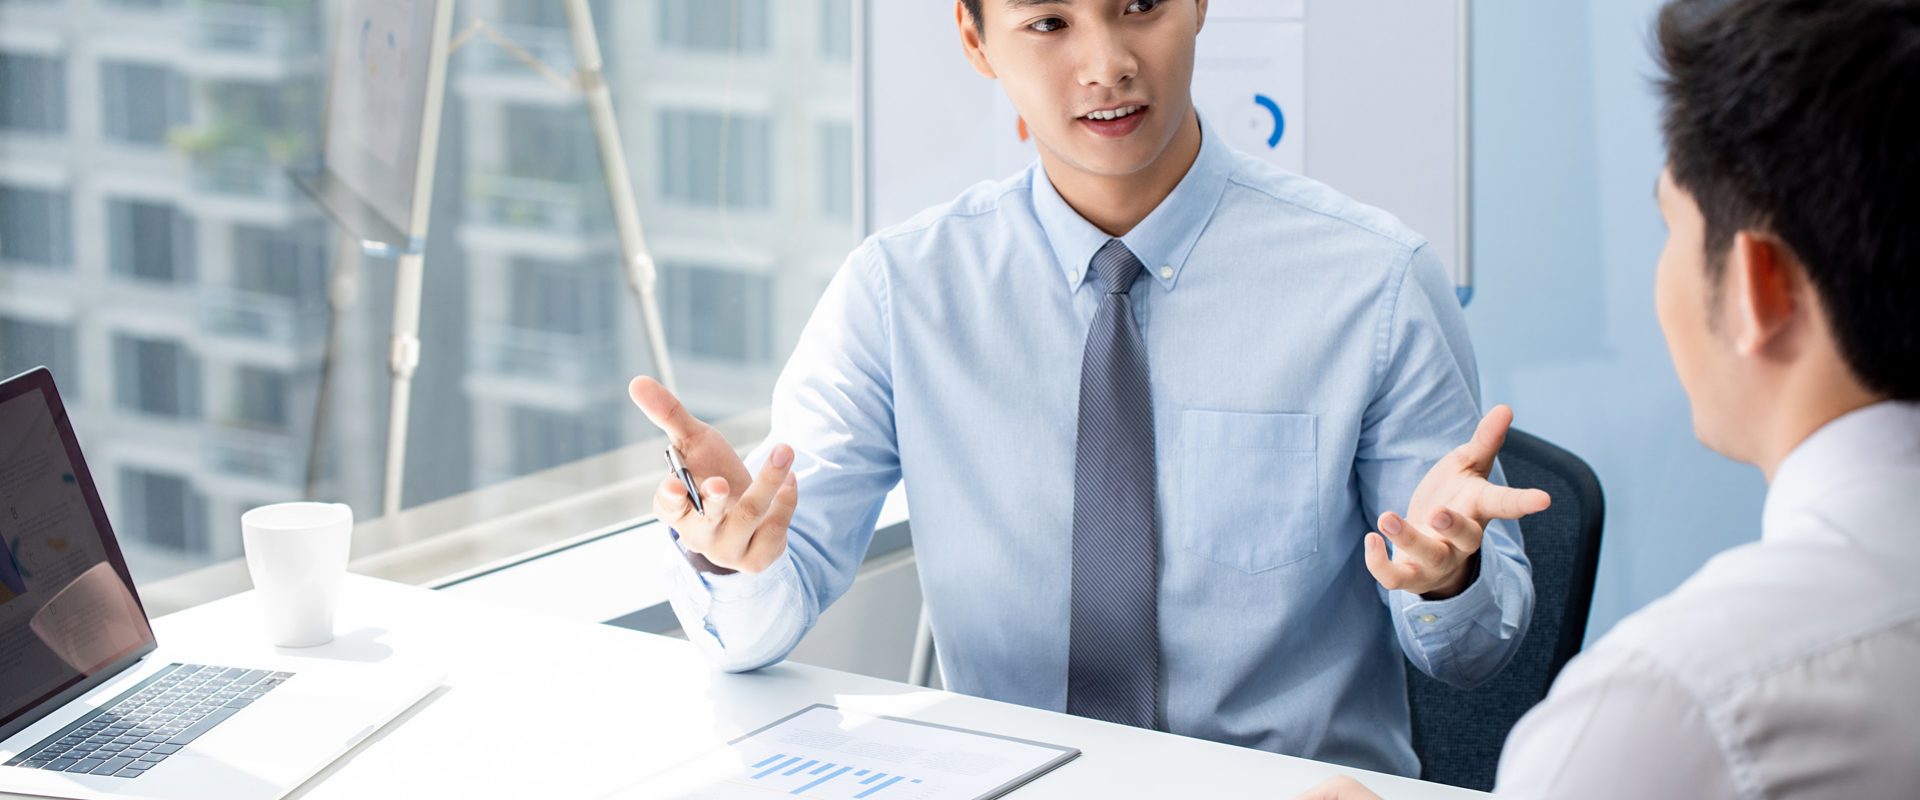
<point>771,770</point>
<point>816,776</point>
<point>870,792</point>
<point>817,782</point>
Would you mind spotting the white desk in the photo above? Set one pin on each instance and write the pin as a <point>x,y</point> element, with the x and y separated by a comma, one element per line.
<point>541,706</point>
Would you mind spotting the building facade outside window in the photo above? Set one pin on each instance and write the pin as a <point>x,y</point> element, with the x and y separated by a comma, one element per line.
<point>33,94</point>
<point>151,241</point>
<point>156,377</point>
<point>141,103</point>
<point>153,253</point>
<point>36,227</point>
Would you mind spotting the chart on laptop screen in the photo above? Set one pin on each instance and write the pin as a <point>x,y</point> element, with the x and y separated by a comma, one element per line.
<point>827,753</point>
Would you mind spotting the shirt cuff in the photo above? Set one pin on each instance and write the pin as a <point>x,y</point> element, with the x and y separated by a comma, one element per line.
<point>1434,621</point>
<point>736,586</point>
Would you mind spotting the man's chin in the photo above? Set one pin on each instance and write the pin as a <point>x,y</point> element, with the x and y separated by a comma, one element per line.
<point>1106,162</point>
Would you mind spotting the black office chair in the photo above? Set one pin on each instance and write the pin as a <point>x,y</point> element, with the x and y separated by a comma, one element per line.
<point>1458,733</point>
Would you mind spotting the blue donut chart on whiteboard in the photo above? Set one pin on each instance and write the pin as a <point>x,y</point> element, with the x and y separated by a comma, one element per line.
<point>1279,118</point>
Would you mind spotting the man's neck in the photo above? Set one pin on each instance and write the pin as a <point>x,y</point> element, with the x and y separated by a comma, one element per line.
<point>1806,408</point>
<point>1117,203</point>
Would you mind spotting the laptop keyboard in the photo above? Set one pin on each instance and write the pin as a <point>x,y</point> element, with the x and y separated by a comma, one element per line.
<point>150,722</point>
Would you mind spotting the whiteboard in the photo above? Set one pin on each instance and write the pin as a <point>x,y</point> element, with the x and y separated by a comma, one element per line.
<point>1368,96</point>
<point>385,82</point>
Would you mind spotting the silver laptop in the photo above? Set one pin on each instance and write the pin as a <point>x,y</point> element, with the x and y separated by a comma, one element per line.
<point>91,706</point>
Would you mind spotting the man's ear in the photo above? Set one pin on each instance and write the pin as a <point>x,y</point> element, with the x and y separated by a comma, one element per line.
<point>971,42</point>
<point>1201,20</point>
<point>1763,284</point>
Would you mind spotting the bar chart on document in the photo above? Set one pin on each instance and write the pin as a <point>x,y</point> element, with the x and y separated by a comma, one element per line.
<point>799,775</point>
<point>827,753</point>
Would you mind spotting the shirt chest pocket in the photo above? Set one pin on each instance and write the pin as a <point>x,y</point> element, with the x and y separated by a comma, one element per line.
<point>1249,488</point>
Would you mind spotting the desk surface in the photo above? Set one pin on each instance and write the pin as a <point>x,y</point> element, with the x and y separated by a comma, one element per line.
<point>539,706</point>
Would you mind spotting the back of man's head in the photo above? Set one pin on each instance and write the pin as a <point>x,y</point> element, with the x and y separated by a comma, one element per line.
<point>1801,118</point>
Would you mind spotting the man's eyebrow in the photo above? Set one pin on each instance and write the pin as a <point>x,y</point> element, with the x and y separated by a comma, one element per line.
<point>1019,4</point>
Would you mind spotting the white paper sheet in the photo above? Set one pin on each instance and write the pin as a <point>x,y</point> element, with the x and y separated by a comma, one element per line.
<point>825,752</point>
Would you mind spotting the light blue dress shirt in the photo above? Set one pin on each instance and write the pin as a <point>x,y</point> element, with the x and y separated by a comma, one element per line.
<point>1309,363</point>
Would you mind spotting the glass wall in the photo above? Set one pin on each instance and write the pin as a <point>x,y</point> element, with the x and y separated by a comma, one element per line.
<point>153,254</point>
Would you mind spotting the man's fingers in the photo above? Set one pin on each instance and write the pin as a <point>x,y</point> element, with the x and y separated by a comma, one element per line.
<point>1503,502</point>
<point>1410,540</point>
<point>670,502</point>
<point>665,410</point>
<point>1458,531</point>
<point>757,500</point>
<point>1487,440</point>
<point>1389,574</point>
<point>1340,788</point>
<point>716,494</point>
<point>770,539</point>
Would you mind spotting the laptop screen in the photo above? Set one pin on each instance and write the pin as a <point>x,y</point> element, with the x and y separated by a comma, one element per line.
<point>69,618</point>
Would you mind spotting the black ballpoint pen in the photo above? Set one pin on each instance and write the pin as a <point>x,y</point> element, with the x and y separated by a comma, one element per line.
<point>679,467</point>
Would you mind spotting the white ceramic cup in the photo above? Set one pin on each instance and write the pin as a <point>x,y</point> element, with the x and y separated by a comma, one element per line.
<point>297,556</point>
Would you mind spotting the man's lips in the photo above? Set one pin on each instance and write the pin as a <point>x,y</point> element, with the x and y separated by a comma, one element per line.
<point>1114,122</point>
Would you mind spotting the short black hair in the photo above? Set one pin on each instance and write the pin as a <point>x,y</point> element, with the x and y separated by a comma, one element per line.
<point>973,10</point>
<point>1801,119</point>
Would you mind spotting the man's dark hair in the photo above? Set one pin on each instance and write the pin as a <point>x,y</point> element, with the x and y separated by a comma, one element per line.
<point>973,10</point>
<point>1801,119</point>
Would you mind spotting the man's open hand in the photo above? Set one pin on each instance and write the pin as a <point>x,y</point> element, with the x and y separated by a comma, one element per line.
<point>748,534</point>
<point>1434,545</point>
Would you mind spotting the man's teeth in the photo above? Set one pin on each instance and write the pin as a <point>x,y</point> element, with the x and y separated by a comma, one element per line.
<point>1113,113</point>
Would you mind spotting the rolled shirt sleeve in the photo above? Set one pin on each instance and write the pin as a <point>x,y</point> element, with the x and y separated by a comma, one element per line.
<point>1427,402</point>
<point>833,404</point>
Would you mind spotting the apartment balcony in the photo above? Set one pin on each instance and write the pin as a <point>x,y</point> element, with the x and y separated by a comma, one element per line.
<point>237,175</point>
<point>262,30</point>
<point>516,358</point>
<point>545,205</point>
<point>263,318</point>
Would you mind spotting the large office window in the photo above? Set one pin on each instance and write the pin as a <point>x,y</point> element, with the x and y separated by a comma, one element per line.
<point>719,25</point>
<point>150,241</point>
<point>146,213</point>
<point>163,510</point>
<point>36,227</point>
<point>25,344</point>
<point>718,313</point>
<point>157,377</point>
<point>141,103</point>
<point>715,159</point>
<point>33,93</point>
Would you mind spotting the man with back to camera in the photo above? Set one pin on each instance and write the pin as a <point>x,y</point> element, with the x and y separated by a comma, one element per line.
<point>1146,396</point>
<point>1789,292</point>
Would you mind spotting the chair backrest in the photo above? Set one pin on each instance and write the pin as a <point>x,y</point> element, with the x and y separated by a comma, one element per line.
<point>1458,733</point>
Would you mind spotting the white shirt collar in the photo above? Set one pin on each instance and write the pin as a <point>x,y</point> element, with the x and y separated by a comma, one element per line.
<point>1877,443</point>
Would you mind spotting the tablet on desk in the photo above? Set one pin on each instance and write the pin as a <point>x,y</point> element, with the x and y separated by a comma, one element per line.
<point>826,752</point>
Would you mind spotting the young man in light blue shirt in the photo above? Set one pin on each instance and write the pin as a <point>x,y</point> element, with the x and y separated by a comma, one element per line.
<point>1145,396</point>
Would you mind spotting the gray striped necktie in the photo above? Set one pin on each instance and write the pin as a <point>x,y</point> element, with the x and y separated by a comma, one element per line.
<point>1113,663</point>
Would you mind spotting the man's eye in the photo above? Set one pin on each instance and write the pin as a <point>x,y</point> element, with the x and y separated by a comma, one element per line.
<point>1048,25</point>
<point>1143,6</point>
